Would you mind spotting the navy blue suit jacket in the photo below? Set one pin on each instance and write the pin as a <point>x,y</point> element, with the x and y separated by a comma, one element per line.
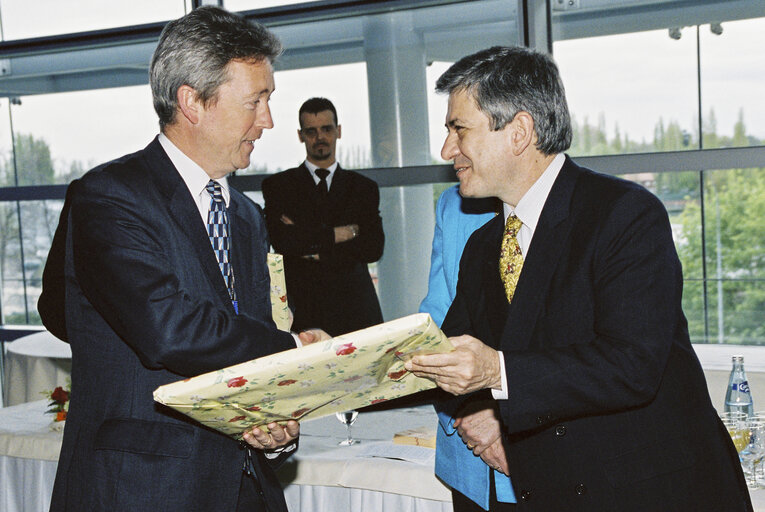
<point>145,304</point>
<point>608,408</point>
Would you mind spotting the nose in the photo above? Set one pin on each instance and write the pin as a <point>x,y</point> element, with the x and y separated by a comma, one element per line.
<point>450,150</point>
<point>264,119</point>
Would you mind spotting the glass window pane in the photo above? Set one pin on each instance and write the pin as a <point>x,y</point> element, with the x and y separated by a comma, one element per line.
<point>38,18</point>
<point>735,253</point>
<point>631,93</point>
<point>732,74</point>
<point>246,5</point>
<point>346,86</point>
<point>73,132</point>
<point>13,293</point>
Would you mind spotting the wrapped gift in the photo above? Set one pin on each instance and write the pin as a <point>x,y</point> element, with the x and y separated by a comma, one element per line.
<point>346,372</point>
<point>280,311</point>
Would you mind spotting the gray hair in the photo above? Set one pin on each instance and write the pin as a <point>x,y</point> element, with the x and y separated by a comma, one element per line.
<point>195,50</point>
<point>507,80</point>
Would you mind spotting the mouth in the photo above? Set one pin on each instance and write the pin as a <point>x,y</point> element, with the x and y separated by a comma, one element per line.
<point>461,168</point>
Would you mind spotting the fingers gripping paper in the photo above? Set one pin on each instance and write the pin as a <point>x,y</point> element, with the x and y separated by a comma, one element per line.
<point>347,372</point>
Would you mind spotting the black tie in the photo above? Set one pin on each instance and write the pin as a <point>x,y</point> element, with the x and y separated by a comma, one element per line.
<point>322,187</point>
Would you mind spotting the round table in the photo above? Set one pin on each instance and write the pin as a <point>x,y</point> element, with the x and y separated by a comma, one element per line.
<point>34,364</point>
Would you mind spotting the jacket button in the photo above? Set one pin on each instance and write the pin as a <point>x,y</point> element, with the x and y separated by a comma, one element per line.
<point>540,420</point>
<point>581,489</point>
<point>560,430</point>
<point>525,495</point>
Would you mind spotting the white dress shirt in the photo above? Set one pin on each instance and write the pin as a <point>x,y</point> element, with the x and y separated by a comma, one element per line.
<point>528,210</point>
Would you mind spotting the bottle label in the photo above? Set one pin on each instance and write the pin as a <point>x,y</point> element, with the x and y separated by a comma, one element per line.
<point>741,386</point>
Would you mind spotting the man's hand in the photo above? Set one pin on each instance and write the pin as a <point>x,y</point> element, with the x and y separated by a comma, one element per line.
<point>345,233</point>
<point>471,366</point>
<point>495,457</point>
<point>478,425</point>
<point>276,437</point>
<point>312,336</point>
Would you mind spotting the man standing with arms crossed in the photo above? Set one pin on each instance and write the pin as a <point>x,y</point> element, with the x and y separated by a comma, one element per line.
<point>326,222</point>
<point>568,316</point>
<point>157,272</point>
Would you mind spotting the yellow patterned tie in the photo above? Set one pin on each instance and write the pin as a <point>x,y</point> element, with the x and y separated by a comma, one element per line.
<point>510,256</point>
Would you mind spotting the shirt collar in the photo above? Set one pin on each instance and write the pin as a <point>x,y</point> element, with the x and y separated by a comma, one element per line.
<point>312,167</point>
<point>193,175</point>
<point>530,206</point>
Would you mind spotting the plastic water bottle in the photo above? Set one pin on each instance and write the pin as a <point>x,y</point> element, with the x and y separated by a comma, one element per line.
<point>738,397</point>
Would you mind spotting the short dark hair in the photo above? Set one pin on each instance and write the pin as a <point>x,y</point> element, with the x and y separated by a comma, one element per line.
<point>314,106</point>
<point>505,80</point>
<point>194,50</point>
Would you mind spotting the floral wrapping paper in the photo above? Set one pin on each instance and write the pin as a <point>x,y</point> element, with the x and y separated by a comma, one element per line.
<point>346,372</point>
<point>280,311</point>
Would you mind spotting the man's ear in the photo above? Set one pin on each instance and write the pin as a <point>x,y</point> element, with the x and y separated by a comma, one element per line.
<point>300,136</point>
<point>522,133</point>
<point>190,105</point>
<point>339,131</point>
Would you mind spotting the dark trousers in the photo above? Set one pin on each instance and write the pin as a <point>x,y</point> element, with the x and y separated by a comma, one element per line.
<point>250,497</point>
<point>462,503</point>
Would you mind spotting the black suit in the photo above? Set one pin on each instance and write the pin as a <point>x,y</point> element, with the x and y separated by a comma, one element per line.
<point>608,408</point>
<point>146,305</point>
<point>336,292</point>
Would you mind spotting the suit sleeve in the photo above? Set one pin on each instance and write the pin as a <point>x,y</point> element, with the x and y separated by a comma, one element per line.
<point>305,236</point>
<point>121,265</point>
<point>51,304</point>
<point>636,318</point>
<point>363,208</point>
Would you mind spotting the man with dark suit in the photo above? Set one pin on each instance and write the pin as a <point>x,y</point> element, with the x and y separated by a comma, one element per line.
<point>567,320</point>
<point>158,272</point>
<point>326,222</point>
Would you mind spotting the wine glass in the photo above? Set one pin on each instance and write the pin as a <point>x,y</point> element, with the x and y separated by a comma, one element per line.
<point>736,424</point>
<point>347,418</point>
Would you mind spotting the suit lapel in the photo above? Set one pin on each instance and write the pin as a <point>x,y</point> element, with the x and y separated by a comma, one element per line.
<point>493,291</point>
<point>550,237</point>
<point>181,209</point>
<point>241,253</point>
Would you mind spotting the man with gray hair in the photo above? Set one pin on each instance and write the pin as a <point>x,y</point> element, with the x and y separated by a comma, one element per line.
<point>572,371</point>
<point>158,272</point>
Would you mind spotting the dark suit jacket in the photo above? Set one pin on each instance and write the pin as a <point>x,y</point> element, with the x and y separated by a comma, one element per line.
<point>336,292</point>
<point>608,408</point>
<point>146,305</point>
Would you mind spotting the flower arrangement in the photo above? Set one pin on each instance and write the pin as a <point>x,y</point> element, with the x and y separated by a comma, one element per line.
<point>59,402</point>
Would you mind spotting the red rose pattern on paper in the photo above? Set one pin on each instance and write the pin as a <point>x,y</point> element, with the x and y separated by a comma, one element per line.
<point>287,382</point>
<point>237,418</point>
<point>236,382</point>
<point>254,408</point>
<point>378,401</point>
<point>345,349</point>
<point>300,412</point>
<point>396,375</point>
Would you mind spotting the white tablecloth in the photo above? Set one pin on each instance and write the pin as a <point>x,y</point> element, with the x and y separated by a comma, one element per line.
<point>320,477</point>
<point>34,364</point>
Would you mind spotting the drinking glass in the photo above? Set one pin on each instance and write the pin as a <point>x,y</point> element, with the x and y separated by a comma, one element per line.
<point>347,418</point>
<point>754,451</point>
<point>736,424</point>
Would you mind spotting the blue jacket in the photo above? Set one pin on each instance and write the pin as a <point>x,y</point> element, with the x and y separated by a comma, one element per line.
<point>456,219</point>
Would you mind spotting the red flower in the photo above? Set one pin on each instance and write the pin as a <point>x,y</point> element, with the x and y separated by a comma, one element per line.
<point>59,395</point>
<point>391,349</point>
<point>287,382</point>
<point>61,416</point>
<point>236,418</point>
<point>236,382</point>
<point>345,349</point>
<point>378,400</point>
<point>283,298</point>
<point>253,408</point>
<point>300,412</point>
<point>396,375</point>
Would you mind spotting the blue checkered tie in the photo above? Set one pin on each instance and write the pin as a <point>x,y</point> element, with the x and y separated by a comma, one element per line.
<point>217,230</point>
